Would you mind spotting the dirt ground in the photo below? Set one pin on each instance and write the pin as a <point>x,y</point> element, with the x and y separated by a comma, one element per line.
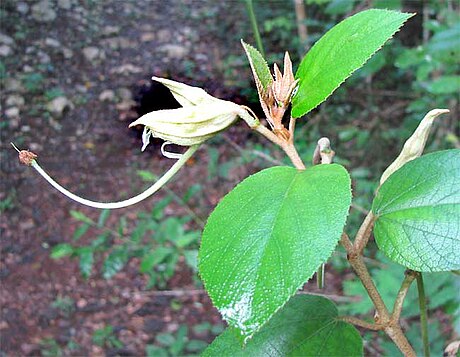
<point>99,54</point>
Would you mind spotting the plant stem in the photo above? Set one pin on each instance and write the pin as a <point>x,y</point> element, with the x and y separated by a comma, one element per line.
<point>397,308</point>
<point>133,200</point>
<point>361,323</point>
<point>320,277</point>
<point>357,263</point>
<point>288,147</point>
<point>364,232</point>
<point>423,315</point>
<point>255,28</point>
<point>391,328</point>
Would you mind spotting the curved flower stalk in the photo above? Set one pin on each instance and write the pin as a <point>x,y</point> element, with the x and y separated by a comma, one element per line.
<point>201,117</point>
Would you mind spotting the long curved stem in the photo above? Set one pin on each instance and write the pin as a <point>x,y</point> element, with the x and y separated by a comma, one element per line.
<point>131,201</point>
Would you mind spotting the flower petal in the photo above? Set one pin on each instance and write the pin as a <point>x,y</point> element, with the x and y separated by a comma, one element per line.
<point>186,95</point>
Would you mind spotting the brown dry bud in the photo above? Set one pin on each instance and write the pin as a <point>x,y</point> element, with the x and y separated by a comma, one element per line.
<point>26,157</point>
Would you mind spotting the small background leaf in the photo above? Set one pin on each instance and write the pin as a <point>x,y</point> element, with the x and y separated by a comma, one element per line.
<point>306,326</point>
<point>341,51</point>
<point>268,236</point>
<point>418,213</point>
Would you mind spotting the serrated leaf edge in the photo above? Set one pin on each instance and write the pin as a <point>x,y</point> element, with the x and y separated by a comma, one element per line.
<point>362,64</point>
<point>246,338</point>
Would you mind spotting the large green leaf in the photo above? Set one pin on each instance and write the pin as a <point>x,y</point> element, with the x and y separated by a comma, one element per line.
<point>268,236</point>
<point>418,213</point>
<point>306,326</point>
<point>341,51</point>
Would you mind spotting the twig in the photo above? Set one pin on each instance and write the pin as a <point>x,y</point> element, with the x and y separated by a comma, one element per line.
<point>361,323</point>
<point>173,292</point>
<point>288,148</point>
<point>364,232</point>
<point>359,208</point>
<point>397,308</point>
<point>391,328</point>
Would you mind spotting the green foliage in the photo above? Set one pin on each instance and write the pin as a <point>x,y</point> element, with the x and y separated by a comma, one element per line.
<point>175,344</point>
<point>50,348</point>
<point>342,50</point>
<point>33,82</point>
<point>52,93</point>
<point>7,203</point>
<point>157,241</point>
<point>417,211</point>
<point>255,252</point>
<point>105,337</point>
<point>306,326</point>
<point>65,304</point>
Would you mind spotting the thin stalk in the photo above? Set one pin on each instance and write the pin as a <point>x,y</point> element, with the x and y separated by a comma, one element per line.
<point>364,232</point>
<point>423,315</point>
<point>133,200</point>
<point>288,148</point>
<point>361,323</point>
<point>255,28</point>
<point>397,308</point>
<point>320,277</point>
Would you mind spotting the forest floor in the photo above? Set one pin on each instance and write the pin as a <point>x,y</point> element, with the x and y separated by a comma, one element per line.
<point>71,80</point>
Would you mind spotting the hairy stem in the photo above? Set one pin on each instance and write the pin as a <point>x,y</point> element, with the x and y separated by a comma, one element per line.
<point>397,308</point>
<point>400,340</point>
<point>364,232</point>
<point>133,200</point>
<point>423,315</point>
<point>382,318</point>
<point>361,323</point>
<point>288,147</point>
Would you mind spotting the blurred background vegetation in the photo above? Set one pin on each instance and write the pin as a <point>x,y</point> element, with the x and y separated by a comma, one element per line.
<point>367,119</point>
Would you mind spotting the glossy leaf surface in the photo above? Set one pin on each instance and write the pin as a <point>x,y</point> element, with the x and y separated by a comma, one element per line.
<point>268,236</point>
<point>341,51</point>
<point>418,213</point>
<point>306,326</point>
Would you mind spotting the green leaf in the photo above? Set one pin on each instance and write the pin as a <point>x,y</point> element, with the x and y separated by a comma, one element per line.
<point>80,231</point>
<point>268,236</point>
<point>306,326</point>
<point>418,213</point>
<point>154,258</point>
<point>114,262</point>
<point>61,250</point>
<point>341,51</point>
<point>338,7</point>
<point>445,85</point>
<point>259,66</point>
<point>86,261</point>
<point>80,216</point>
<point>103,218</point>
<point>191,258</point>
